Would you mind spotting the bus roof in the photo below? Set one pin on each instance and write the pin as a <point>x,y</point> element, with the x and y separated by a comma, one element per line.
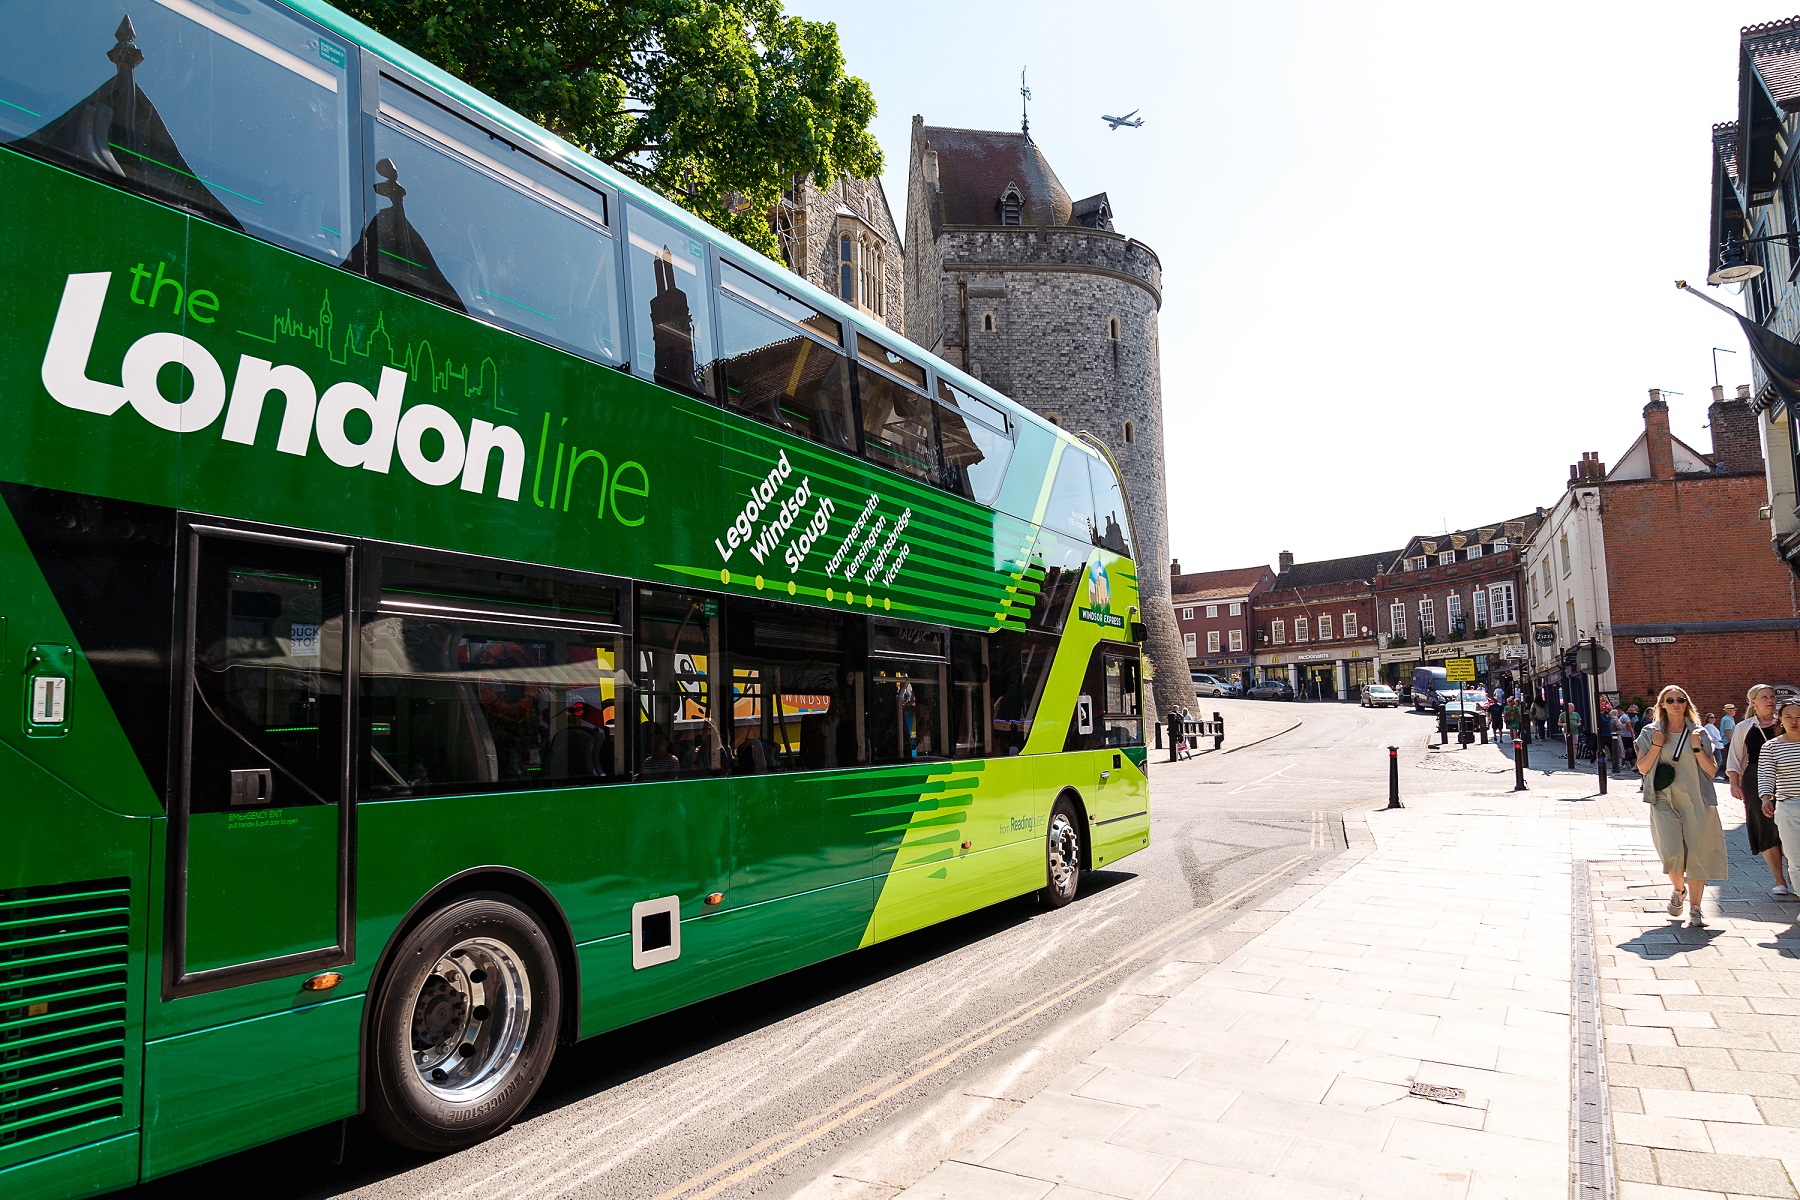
<point>576,158</point>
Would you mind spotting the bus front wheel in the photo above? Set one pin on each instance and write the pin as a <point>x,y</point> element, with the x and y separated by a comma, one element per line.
<point>465,1025</point>
<point>1062,855</point>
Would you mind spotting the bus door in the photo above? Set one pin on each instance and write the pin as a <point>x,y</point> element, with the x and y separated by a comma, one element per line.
<point>260,837</point>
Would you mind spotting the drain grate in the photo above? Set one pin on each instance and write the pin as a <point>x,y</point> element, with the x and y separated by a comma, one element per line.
<point>1437,1091</point>
<point>1591,1174</point>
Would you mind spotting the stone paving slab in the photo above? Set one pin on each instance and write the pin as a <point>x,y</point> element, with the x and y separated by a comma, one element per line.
<point>1435,951</point>
<point>1713,1109</point>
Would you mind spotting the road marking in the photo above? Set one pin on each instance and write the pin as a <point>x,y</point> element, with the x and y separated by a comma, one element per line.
<point>1256,782</point>
<point>771,1150</point>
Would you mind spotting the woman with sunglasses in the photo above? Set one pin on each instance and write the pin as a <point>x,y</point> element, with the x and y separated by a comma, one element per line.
<point>1676,761</point>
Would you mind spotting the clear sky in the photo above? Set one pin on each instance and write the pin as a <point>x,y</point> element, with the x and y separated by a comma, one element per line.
<point>1416,257</point>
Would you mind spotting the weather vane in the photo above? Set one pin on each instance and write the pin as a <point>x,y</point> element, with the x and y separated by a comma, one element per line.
<point>1024,102</point>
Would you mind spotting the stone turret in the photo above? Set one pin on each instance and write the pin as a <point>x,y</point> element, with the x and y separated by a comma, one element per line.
<point>1042,298</point>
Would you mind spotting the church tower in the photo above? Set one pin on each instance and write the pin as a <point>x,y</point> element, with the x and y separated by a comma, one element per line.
<point>1040,297</point>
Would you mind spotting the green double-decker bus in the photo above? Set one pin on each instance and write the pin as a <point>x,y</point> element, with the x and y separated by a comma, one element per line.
<point>453,602</point>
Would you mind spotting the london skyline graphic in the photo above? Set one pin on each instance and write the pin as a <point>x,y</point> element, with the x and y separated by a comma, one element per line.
<point>418,359</point>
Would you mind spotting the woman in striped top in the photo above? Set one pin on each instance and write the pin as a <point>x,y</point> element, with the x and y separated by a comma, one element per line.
<point>1684,817</point>
<point>1778,777</point>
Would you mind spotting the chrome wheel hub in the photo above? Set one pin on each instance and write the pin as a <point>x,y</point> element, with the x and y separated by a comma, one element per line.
<point>1065,855</point>
<point>469,1020</point>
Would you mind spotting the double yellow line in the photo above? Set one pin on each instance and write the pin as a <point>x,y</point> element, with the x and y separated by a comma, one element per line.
<point>801,1134</point>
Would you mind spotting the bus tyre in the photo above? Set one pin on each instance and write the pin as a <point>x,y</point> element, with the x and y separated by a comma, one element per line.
<point>1062,855</point>
<point>465,1024</point>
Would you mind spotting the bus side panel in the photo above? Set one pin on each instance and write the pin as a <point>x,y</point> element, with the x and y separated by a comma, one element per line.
<point>84,1171</point>
<point>221,1090</point>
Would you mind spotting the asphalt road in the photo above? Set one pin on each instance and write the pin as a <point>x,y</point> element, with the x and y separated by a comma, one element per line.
<point>758,1092</point>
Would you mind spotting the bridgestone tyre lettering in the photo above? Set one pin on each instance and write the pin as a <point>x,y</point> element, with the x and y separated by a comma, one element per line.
<point>507,953</point>
<point>1062,855</point>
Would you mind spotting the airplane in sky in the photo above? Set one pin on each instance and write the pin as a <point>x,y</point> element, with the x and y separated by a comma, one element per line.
<point>1124,122</point>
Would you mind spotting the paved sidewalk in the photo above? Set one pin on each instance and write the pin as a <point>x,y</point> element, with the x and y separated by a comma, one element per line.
<point>1702,1040</point>
<point>1435,952</point>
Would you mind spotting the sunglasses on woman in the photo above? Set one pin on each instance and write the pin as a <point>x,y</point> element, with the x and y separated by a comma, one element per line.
<point>1676,700</point>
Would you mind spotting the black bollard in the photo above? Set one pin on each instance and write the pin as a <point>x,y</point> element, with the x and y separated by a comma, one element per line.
<point>1518,765</point>
<point>1570,739</point>
<point>1481,728</point>
<point>1394,778</point>
<point>1525,748</point>
<point>1600,760</point>
<point>1443,728</point>
<point>1218,730</point>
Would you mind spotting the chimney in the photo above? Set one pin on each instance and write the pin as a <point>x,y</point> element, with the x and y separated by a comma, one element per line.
<point>1743,391</point>
<point>1174,566</point>
<point>1286,559</point>
<point>1656,437</point>
<point>1736,442</point>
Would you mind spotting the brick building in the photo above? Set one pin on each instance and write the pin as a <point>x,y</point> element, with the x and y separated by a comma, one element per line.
<point>843,238</point>
<point>1316,626</point>
<point>1455,595</point>
<point>1213,610</point>
<point>1665,561</point>
<point>1040,296</point>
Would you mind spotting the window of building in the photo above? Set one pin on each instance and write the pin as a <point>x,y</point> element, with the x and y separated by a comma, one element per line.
<point>987,322</point>
<point>1416,563</point>
<point>1350,624</point>
<point>868,274</point>
<point>1112,328</point>
<point>1237,610</point>
<point>771,372</point>
<point>1453,609</point>
<point>1500,545</point>
<point>1212,641</point>
<point>1055,420</point>
<point>1325,627</point>
<point>1011,206</point>
<point>1481,611</point>
<point>1573,631</point>
<point>846,268</point>
<point>1500,603</point>
<point>1278,631</point>
<point>213,127</point>
<point>1473,551</point>
<point>1427,618</point>
<point>1236,640</point>
<point>1397,619</point>
<point>1446,557</point>
<point>1299,629</point>
<point>1190,644</point>
<point>1187,614</point>
<point>1563,546</point>
<point>1130,433</point>
<point>1212,610</point>
<point>471,221</point>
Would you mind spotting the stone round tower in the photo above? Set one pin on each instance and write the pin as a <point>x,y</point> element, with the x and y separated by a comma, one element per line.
<point>1042,298</point>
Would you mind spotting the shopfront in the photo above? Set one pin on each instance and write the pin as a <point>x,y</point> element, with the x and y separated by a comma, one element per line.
<point>1323,674</point>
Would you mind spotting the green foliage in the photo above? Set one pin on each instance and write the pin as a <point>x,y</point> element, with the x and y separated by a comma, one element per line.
<point>717,104</point>
<point>1396,640</point>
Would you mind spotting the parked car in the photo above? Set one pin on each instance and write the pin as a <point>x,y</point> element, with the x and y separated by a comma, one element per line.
<point>1270,689</point>
<point>1379,695</point>
<point>1212,685</point>
<point>1473,705</point>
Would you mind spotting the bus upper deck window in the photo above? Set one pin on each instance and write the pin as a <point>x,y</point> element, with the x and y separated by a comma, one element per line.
<point>671,301</point>
<point>239,114</point>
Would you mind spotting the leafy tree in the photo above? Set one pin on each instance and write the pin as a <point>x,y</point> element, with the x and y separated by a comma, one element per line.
<point>717,104</point>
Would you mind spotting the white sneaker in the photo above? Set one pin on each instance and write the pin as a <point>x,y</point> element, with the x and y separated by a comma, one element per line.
<point>1677,898</point>
<point>1782,889</point>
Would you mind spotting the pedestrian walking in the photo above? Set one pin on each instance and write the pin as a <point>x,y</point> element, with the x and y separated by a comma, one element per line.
<point>1627,724</point>
<point>1609,734</point>
<point>1756,730</point>
<point>1716,738</point>
<point>1677,766</point>
<point>1728,722</point>
<point>1778,777</point>
<point>1497,714</point>
<point>1539,714</point>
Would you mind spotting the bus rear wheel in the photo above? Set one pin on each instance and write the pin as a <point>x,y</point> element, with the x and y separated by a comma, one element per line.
<point>1062,855</point>
<point>465,1025</point>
